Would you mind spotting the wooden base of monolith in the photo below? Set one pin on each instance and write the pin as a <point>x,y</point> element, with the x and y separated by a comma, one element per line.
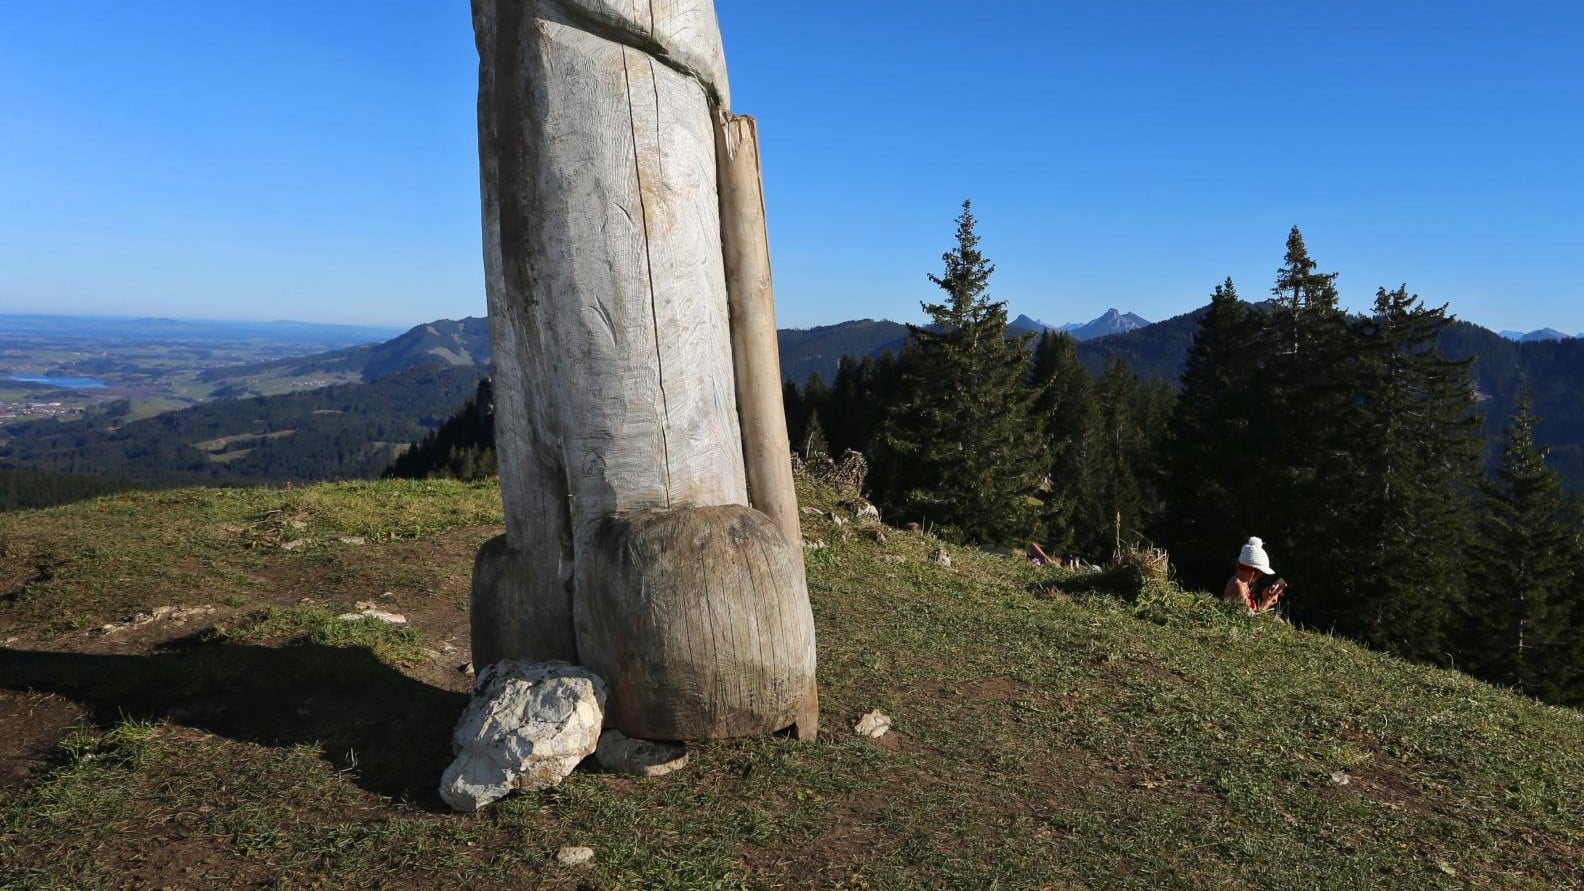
<point>509,614</point>
<point>699,623</point>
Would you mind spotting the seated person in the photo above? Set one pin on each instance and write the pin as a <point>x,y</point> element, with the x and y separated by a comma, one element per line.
<point>1244,585</point>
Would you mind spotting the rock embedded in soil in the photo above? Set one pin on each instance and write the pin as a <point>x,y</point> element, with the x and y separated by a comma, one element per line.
<point>574,855</point>
<point>175,614</point>
<point>526,727</point>
<point>370,612</point>
<point>875,724</point>
<point>620,753</point>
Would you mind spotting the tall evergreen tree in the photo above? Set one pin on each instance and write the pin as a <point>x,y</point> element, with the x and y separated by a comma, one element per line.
<point>1125,441</point>
<point>1302,482</point>
<point>796,413</point>
<point>968,450</point>
<point>815,403</point>
<point>1421,436</point>
<point>1210,454</point>
<point>1072,417</point>
<point>1304,296</point>
<point>862,389</point>
<point>1527,557</point>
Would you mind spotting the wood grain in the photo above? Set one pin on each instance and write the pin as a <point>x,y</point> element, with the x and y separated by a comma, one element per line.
<point>629,539</point>
<point>750,292</point>
<point>699,621</point>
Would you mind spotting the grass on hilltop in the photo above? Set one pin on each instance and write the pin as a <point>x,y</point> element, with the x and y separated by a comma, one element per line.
<point>1053,730</point>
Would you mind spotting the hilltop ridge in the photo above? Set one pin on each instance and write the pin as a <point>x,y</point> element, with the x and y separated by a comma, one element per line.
<point>1053,729</point>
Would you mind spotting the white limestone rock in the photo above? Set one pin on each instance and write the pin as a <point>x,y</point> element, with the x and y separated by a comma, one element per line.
<point>620,753</point>
<point>177,615</point>
<point>527,726</point>
<point>574,855</point>
<point>875,724</point>
<point>371,612</point>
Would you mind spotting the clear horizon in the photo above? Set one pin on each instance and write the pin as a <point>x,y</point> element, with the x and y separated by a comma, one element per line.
<point>318,163</point>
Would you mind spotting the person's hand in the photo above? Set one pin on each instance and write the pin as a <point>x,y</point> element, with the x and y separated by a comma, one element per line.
<point>1272,594</point>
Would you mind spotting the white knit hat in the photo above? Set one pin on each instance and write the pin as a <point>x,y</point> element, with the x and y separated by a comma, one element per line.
<point>1253,554</point>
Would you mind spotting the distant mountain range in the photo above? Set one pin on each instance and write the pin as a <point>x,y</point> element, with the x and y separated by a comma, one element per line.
<point>1540,334</point>
<point>1114,321</point>
<point>806,351</point>
<point>167,331</point>
<point>412,382</point>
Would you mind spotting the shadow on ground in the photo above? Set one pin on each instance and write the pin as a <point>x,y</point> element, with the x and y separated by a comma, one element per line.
<point>392,731</point>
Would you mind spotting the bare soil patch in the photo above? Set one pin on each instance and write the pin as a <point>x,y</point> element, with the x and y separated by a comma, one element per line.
<point>31,727</point>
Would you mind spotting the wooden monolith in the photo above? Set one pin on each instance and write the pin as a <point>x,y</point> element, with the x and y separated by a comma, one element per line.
<point>630,546</point>
<point>750,290</point>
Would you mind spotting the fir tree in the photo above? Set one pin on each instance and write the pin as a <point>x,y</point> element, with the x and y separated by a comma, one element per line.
<point>1126,441</point>
<point>1210,454</point>
<point>968,450</point>
<point>816,406</point>
<point>1072,417</point>
<point>862,389</point>
<point>1302,294</point>
<point>796,413</point>
<point>1305,461</point>
<point>814,443</point>
<point>1527,557</point>
<point>1421,439</point>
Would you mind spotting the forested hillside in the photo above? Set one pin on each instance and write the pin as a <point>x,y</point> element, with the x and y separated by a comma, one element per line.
<point>350,431</point>
<point>809,351</point>
<point>442,343</point>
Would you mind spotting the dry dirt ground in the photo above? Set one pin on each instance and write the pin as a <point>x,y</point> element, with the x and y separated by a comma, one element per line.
<point>423,580</point>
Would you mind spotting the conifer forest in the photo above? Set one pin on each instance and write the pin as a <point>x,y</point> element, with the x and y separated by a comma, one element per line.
<point>1348,442</point>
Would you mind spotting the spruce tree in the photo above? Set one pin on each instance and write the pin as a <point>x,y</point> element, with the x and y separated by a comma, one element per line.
<point>857,398</point>
<point>1421,436</point>
<point>968,450</point>
<point>816,405</point>
<point>1527,554</point>
<point>796,413</point>
<point>1209,456</point>
<point>1305,462</point>
<point>1072,416</point>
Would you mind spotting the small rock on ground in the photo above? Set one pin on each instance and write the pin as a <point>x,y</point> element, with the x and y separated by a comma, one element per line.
<point>388,618</point>
<point>875,724</point>
<point>176,614</point>
<point>574,855</point>
<point>940,557</point>
<point>620,753</point>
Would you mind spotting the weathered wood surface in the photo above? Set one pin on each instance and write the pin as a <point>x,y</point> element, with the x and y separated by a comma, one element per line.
<point>611,331</point>
<point>699,621</point>
<point>750,292</point>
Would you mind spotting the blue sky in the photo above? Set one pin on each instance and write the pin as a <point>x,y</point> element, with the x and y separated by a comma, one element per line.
<point>316,161</point>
